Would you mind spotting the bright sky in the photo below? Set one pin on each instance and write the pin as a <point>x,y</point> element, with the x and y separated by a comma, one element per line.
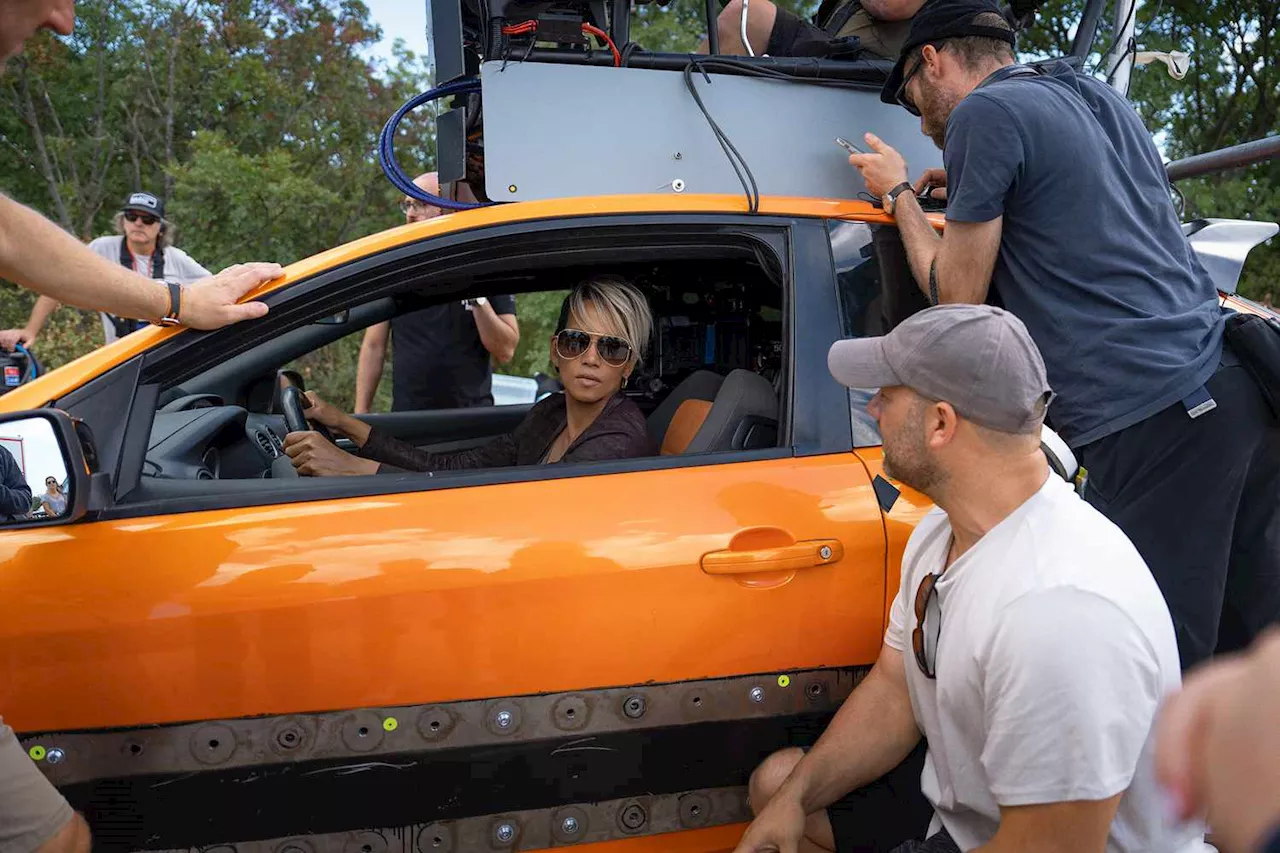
<point>406,19</point>
<point>39,454</point>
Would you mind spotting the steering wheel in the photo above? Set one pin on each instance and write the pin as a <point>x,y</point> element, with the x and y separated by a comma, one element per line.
<point>293,404</point>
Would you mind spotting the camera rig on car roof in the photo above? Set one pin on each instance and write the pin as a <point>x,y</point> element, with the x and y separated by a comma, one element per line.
<point>553,99</point>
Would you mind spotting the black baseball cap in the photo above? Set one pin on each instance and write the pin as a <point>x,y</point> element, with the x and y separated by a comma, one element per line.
<point>141,202</point>
<point>938,20</point>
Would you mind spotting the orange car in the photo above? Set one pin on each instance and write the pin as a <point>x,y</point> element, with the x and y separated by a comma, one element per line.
<point>203,655</point>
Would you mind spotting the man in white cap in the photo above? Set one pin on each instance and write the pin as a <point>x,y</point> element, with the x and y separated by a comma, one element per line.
<point>144,245</point>
<point>1028,644</point>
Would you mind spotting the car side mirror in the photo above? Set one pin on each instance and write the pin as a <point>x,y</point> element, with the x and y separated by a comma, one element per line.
<point>47,465</point>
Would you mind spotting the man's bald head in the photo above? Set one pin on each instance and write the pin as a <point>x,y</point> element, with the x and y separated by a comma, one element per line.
<point>420,211</point>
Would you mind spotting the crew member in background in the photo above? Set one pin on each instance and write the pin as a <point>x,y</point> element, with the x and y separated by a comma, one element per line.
<point>441,356</point>
<point>144,246</point>
<point>871,29</point>
<point>1058,201</point>
<point>15,494</point>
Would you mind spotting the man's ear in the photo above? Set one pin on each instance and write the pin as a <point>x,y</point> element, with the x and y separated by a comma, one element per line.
<point>932,59</point>
<point>941,423</point>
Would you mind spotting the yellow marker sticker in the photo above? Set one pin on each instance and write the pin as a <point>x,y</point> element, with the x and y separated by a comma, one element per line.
<point>784,681</point>
<point>37,753</point>
<point>390,724</point>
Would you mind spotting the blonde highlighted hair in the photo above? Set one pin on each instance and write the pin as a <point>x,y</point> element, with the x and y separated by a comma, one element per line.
<point>620,303</point>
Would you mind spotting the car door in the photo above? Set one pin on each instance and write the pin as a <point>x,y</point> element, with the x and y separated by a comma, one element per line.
<point>525,661</point>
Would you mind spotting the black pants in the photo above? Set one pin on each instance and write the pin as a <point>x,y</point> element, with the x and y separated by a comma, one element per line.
<point>1200,498</point>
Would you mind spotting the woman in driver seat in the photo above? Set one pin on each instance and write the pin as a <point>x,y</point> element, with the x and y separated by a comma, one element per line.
<point>603,329</point>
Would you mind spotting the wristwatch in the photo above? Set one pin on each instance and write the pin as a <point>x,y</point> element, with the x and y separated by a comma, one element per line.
<point>175,305</point>
<point>891,197</point>
<point>472,303</point>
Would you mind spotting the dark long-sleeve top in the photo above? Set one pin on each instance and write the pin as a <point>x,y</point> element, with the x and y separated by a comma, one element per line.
<point>15,494</point>
<point>618,432</point>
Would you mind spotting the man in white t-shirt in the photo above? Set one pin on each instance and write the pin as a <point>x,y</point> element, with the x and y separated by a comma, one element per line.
<point>1028,643</point>
<point>142,245</point>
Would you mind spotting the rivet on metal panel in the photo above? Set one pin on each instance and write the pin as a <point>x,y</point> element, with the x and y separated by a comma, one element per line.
<point>784,681</point>
<point>55,756</point>
<point>634,706</point>
<point>436,723</point>
<point>290,736</point>
<point>511,188</point>
<point>213,744</point>
<point>132,747</point>
<point>815,690</point>
<point>390,724</point>
<point>36,752</point>
<point>698,703</point>
<point>366,842</point>
<point>571,713</point>
<point>435,838</point>
<point>505,833</point>
<point>695,810</point>
<point>757,694</point>
<point>569,825</point>
<point>503,718</point>
<point>677,185</point>
<point>295,845</point>
<point>632,817</point>
<point>678,156</point>
<point>362,731</point>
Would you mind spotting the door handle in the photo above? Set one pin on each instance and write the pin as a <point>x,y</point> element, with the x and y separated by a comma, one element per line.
<point>787,558</point>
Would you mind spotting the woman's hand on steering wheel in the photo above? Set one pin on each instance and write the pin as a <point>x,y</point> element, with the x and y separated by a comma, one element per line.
<point>313,455</point>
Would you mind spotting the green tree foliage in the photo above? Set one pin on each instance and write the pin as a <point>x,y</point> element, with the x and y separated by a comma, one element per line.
<point>257,120</point>
<point>1231,95</point>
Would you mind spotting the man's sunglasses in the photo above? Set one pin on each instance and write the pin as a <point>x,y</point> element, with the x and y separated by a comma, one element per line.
<point>145,218</point>
<point>572,343</point>
<point>901,95</point>
<point>928,589</point>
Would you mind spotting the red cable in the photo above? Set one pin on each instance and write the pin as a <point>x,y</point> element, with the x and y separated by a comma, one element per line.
<point>601,34</point>
<point>530,26</point>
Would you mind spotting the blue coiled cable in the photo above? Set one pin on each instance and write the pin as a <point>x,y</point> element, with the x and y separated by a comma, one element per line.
<point>33,366</point>
<point>386,146</point>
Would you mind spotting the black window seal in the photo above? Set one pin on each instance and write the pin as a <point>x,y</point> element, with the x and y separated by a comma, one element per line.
<point>256,493</point>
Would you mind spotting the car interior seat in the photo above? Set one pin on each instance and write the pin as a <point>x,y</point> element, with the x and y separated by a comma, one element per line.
<point>708,412</point>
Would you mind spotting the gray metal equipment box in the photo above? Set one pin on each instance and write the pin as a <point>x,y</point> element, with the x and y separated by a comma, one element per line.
<point>557,131</point>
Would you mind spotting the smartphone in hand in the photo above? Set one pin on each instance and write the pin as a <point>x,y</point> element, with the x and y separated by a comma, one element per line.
<point>848,146</point>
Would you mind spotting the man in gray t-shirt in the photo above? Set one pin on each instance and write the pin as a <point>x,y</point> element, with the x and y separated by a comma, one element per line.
<point>1058,207</point>
<point>142,246</point>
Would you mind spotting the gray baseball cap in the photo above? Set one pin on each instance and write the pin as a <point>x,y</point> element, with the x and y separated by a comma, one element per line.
<point>978,358</point>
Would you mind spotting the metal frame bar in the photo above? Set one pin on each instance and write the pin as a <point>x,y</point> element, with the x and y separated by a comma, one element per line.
<point>713,29</point>
<point>1087,31</point>
<point>1119,64</point>
<point>1232,157</point>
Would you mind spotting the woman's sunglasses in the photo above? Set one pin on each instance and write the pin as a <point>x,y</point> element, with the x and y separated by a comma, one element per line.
<point>572,343</point>
<point>146,218</point>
